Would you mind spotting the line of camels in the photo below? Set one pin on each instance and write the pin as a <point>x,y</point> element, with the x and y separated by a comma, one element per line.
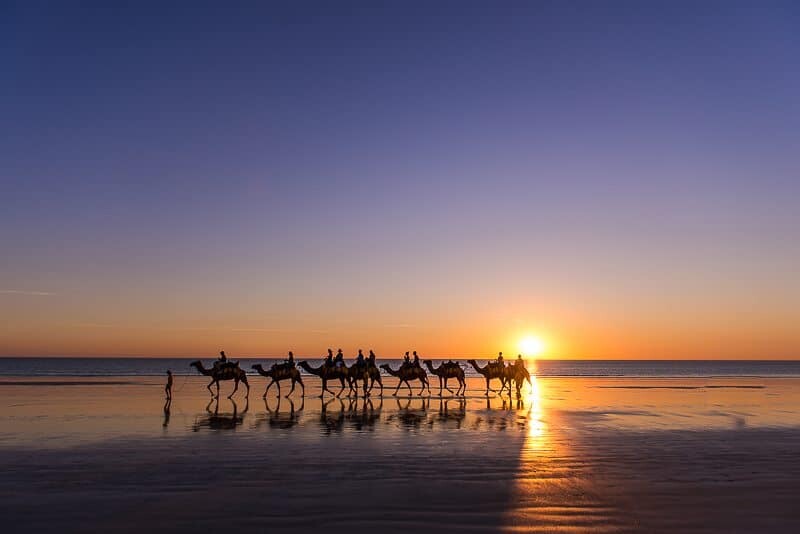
<point>369,375</point>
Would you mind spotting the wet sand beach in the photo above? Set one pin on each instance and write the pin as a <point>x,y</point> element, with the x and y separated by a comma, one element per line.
<point>573,454</point>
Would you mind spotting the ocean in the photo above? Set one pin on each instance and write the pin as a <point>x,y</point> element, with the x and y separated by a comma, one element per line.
<point>55,366</point>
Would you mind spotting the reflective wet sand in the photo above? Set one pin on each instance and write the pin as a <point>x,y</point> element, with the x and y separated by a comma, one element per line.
<point>570,455</point>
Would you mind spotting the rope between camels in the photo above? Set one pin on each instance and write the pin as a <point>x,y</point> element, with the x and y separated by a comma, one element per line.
<point>185,379</point>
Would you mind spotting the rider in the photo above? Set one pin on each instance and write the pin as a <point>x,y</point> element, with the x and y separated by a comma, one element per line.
<point>339,360</point>
<point>406,359</point>
<point>223,361</point>
<point>371,358</point>
<point>500,359</point>
<point>329,359</point>
<point>519,362</point>
<point>290,359</point>
<point>416,359</point>
<point>360,358</point>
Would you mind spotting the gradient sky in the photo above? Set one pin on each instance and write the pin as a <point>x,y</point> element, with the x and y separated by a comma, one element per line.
<point>619,178</point>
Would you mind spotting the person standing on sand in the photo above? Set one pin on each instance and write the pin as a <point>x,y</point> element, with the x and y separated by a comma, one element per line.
<point>168,387</point>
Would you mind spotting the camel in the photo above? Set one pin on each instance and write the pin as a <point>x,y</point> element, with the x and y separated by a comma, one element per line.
<point>518,374</point>
<point>490,371</point>
<point>445,371</point>
<point>367,373</point>
<point>326,373</point>
<point>281,372</point>
<point>407,373</point>
<point>224,372</point>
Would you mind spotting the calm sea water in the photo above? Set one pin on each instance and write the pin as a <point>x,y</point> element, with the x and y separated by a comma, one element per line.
<point>624,368</point>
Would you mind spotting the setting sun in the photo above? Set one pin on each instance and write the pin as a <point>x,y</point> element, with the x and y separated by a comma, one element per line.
<point>531,346</point>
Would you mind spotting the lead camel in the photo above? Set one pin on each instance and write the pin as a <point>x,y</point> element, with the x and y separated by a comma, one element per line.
<point>225,372</point>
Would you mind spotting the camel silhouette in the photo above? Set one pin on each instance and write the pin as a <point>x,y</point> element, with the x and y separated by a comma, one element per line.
<point>446,371</point>
<point>223,372</point>
<point>281,372</point>
<point>327,372</point>
<point>490,372</point>
<point>406,373</point>
<point>368,374</point>
<point>518,374</point>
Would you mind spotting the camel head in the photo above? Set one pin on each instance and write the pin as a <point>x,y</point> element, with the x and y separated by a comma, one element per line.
<point>385,367</point>
<point>257,367</point>
<point>196,363</point>
<point>473,362</point>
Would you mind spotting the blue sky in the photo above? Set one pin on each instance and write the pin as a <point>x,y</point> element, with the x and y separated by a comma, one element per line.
<point>619,177</point>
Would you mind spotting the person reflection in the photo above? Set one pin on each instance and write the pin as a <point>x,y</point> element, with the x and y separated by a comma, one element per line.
<point>167,407</point>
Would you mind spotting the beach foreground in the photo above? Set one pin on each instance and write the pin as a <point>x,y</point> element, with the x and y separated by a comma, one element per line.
<point>573,454</point>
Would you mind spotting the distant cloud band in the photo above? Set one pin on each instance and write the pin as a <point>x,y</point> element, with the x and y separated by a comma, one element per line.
<point>22,292</point>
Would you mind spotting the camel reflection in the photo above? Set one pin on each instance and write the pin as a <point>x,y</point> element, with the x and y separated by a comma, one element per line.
<point>498,415</point>
<point>220,421</point>
<point>331,422</point>
<point>281,419</point>
<point>366,417</point>
<point>451,417</point>
<point>409,415</point>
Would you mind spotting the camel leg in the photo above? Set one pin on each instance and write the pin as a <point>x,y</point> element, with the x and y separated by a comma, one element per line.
<point>440,386</point>
<point>235,387</point>
<point>487,387</point>
<point>400,383</point>
<point>291,390</point>
<point>408,384</point>
<point>278,383</point>
<point>209,388</point>
<point>302,389</point>
<point>267,390</point>
<point>341,381</point>
<point>324,388</point>
<point>445,385</point>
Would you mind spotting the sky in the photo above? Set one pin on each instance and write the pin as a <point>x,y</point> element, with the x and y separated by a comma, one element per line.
<point>617,179</point>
